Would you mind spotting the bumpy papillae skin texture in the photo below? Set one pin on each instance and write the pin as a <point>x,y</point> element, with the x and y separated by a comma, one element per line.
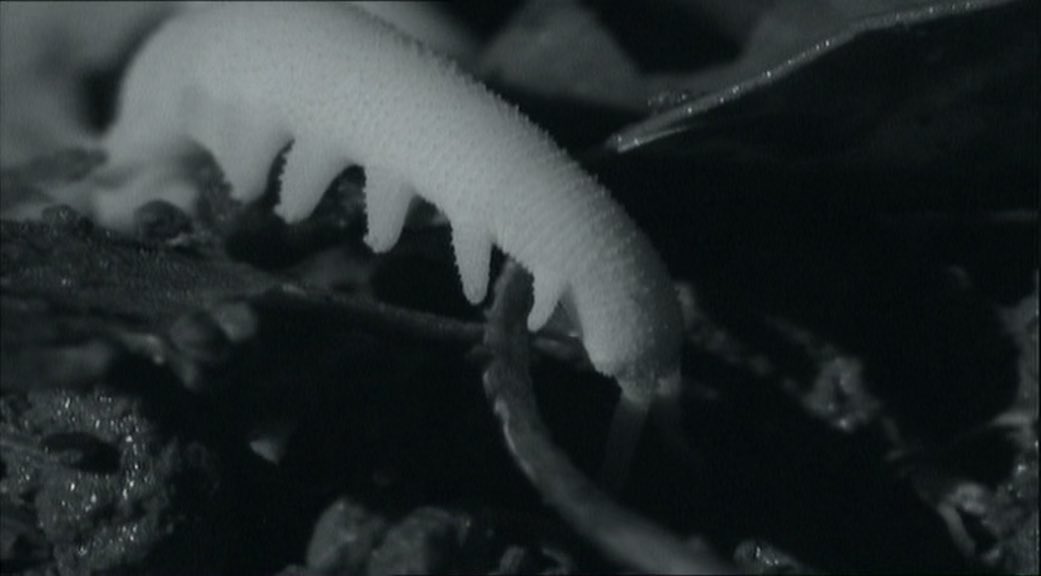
<point>244,80</point>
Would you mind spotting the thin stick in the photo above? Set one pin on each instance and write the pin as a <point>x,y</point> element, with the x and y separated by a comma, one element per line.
<point>375,315</point>
<point>627,423</point>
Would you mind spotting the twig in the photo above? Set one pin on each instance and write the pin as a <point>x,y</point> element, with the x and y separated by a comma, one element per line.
<point>621,535</point>
<point>394,320</point>
<point>374,315</point>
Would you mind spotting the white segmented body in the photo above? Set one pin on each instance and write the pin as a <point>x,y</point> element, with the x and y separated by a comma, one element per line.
<point>244,80</point>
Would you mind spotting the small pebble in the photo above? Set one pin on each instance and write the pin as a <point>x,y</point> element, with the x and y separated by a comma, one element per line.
<point>343,538</point>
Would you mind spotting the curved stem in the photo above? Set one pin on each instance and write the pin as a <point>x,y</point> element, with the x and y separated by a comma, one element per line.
<point>621,535</point>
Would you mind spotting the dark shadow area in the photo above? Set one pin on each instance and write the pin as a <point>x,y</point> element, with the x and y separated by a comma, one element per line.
<point>667,36</point>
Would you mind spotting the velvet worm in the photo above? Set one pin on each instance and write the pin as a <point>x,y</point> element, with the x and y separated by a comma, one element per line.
<point>340,87</point>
